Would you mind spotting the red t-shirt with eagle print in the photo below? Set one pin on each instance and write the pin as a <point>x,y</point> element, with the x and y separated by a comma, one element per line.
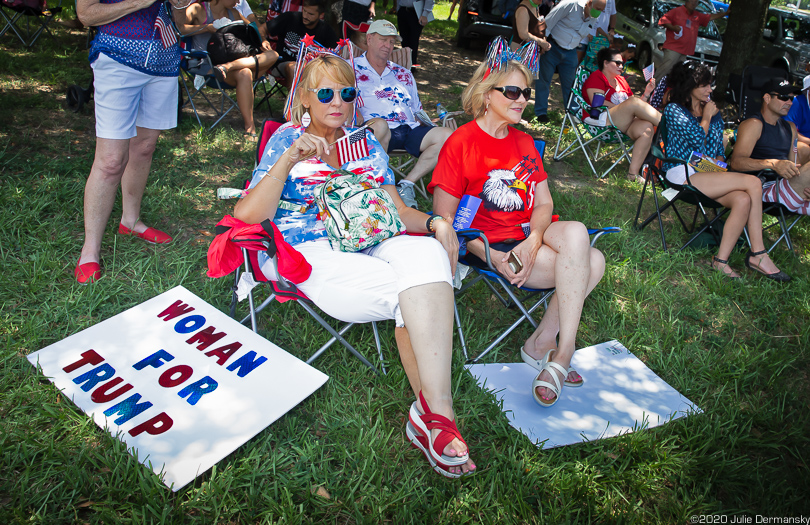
<point>503,173</point>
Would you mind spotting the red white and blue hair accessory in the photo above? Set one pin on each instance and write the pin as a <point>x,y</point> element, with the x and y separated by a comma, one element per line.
<point>499,54</point>
<point>309,50</point>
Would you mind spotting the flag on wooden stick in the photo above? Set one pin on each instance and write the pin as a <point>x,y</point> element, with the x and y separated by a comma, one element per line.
<point>352,146</point>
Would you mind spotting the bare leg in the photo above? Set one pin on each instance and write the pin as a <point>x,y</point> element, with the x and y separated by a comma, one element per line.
<point>642,133</point>
<point>136,173</point>
<point>266,60</point>
<point>801,183</point>
<point>430,148</point>
<point>100,192</point>
<point>381,130</point>
<point>737,190</point>
<point>243,80</point>
<point>428,314</point>
<point>567,262</point>
<point>633,108</point>
<point>408,359</point>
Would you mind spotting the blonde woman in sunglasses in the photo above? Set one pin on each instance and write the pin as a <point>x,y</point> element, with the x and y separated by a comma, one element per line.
<point>489,159</point>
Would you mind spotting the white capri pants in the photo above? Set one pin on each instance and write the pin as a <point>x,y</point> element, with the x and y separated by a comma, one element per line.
<point>364,286</point>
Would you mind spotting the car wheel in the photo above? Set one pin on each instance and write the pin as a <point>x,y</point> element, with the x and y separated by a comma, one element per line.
<point>644,57</point>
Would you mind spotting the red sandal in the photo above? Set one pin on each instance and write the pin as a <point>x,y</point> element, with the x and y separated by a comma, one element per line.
<point>418,441</point>
<point>428,421</point>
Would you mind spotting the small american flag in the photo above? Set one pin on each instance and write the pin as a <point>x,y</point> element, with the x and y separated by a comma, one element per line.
<point>352,146</point>
<point>163,29</point>
<point>649,72</point>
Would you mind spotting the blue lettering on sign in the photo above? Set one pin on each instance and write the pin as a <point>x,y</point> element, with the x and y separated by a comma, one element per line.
<point>189,324</point>
<point>94,376</point>
<point>246,364</point>
<point>155,360</point>
<point>197,389</point>
<point>127,409</point>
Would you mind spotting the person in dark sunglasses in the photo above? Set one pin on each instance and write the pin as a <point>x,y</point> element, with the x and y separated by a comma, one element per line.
<point>694,124</point>
<point>489,159</point>
<point>633,115</point>
<point>406,278</point>
<point>768,141</point>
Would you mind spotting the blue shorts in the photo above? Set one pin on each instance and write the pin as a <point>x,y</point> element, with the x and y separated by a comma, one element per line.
<point>407,138</point>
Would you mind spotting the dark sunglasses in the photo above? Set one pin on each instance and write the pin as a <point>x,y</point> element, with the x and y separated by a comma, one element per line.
<point>619,63</point>
<point>783,98</point>
<point>325,95</point>
<point>514,92</point>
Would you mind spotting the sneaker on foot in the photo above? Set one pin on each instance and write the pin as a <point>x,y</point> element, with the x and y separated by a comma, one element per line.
<point>408,195</point>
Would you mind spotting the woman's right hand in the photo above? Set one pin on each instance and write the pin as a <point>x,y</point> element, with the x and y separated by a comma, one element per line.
<point>545,45</point>
<point>307,146</point>
<point>710,109</point>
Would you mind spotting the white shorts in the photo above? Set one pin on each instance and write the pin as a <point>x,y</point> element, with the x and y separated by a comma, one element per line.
<point>126,99</point>
<point>677,175</point>
<point>365,286</point>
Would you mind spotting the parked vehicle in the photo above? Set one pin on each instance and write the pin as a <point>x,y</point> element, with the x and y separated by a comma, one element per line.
<point>484,19</point>
<point>785,42</point>
<point>637,21</point>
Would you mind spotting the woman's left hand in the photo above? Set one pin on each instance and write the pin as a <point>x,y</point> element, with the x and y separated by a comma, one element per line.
<point>266,45</point>
<point>527,253</point>
<point>446,235</point>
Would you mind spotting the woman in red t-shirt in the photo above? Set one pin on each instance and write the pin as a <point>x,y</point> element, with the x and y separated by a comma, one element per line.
<point>632,115</point>
<point>499,164</point>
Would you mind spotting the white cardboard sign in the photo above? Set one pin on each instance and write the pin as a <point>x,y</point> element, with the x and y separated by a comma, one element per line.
<point>178,381</point>
<point>620,395</point>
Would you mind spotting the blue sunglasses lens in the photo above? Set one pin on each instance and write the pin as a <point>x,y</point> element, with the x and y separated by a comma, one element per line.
<point>347,94</point>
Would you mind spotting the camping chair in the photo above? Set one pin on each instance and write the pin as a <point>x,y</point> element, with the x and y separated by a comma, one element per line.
<point>686,194</point>
<point>252,240</point>
<point>35,12</point>
<point>196,63</point>
<point>595,142</point>
<point>531,300</point>
<point>753,80</point>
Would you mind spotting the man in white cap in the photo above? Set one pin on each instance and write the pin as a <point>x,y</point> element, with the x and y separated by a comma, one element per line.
<point>767,141</point>
<point>799,112</point>
<point>389,93</point>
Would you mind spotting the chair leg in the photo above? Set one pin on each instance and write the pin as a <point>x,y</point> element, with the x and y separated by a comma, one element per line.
<point>460,331</point>
<point>337,335</point>
<point>379,347</point>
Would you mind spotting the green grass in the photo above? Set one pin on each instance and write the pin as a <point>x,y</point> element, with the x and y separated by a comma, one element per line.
<point>737,349</point>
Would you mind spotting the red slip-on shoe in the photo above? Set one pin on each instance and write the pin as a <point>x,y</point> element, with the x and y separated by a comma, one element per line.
<point>426,422</point>
<point>87,273</point>
<point>151,235</point>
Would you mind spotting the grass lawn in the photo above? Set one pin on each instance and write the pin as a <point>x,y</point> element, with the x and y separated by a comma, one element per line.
<point>739,350</point>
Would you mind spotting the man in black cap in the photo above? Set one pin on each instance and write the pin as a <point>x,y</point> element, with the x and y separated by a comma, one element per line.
<point>768,141</point>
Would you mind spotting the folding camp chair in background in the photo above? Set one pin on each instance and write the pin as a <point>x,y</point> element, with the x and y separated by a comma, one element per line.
<point>596,143</point>
<point>197,71</point>
<point>686,194</point>
<point>34,13</point>
<point>753,80</point>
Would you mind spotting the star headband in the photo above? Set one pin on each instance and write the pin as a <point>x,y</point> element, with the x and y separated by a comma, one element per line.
<point>499,54</point>
<point>310,50</point>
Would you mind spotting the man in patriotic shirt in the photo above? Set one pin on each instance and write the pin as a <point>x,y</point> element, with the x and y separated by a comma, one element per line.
<point>389,94</point>
<point>135,59</point>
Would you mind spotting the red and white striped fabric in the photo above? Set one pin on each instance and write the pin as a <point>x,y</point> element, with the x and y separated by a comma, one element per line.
<point>352,146</point>
<point>783,193</point>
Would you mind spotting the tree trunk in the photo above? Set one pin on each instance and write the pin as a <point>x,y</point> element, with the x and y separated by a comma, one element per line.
<point>746,20</point>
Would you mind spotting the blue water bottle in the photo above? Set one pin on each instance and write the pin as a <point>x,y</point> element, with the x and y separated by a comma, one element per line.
<point>441,111</point>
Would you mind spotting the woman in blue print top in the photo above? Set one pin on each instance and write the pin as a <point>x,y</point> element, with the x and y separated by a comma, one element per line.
<point>694,124</point>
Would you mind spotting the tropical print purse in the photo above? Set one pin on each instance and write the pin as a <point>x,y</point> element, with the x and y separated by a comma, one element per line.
<point>356,212</point>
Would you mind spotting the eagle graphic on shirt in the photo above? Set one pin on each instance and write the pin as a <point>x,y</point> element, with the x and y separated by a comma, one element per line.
<point>503,191</point>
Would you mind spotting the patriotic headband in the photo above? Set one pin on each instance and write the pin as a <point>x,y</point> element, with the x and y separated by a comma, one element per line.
<point>309,51</point>
<point>499,54</point>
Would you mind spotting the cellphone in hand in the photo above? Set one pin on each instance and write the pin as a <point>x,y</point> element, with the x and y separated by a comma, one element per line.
<point>514,263</point>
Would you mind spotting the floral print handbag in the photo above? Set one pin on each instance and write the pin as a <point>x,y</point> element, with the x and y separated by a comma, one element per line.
<point>356,212</point>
